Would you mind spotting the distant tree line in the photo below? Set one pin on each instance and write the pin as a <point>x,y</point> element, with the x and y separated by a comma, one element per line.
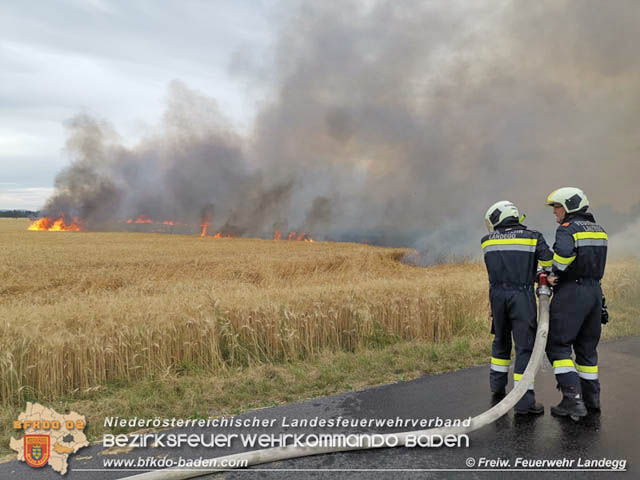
<point>18,213</point>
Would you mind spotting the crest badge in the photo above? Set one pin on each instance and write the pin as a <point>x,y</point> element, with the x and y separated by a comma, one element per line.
<point>36,450</point>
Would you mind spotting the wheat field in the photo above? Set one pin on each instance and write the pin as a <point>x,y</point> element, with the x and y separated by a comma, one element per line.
<point>78,310</point>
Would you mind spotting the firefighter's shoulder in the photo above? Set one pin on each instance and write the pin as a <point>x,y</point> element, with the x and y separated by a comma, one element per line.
<point>530,232</point>
<point>567,226</point>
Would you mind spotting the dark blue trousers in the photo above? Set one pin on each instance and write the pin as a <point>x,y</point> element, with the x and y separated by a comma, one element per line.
<point>514,314</point>
<point>576,308</point>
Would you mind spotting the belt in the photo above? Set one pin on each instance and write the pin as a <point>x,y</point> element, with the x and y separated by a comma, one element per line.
<point>512,285</point>
<point>581,281</point>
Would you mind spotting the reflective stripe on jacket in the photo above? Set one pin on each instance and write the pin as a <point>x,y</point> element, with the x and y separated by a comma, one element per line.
<point>580,250</point>
<point>512,254</point>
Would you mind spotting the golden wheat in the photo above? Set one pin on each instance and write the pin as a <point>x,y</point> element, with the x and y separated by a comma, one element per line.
<point>80,310</point>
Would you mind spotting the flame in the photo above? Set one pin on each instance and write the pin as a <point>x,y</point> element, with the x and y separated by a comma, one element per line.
<point>140,219</point>
<point>204,225</point>
<point>293,236</point>
<point>57,225</point>
<point>43,224</point>
<point>304,237</point>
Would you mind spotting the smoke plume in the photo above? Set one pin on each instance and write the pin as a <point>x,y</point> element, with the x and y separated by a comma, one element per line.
<point>395,123</point>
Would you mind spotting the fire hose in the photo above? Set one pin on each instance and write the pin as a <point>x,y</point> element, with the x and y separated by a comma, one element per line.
<point>268,455</point>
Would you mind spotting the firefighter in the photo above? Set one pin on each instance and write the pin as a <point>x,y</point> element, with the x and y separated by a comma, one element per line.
<point>580,254</point>
<point>512,253</point>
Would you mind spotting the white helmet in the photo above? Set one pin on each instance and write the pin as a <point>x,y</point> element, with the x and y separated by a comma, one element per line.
<point>571,198</point>
<point>499,211</point>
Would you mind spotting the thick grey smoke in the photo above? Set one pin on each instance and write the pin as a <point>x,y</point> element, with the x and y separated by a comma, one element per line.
<point>194,169</point>
<point>396,123</point>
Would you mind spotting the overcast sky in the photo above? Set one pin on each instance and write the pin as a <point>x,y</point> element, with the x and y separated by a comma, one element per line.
<point>384,108</point>
<point>115,60</point>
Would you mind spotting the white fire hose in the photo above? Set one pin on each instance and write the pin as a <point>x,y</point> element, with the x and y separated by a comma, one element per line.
<point>268,455</point>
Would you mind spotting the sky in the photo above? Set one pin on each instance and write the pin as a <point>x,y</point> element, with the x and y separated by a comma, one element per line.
<point>390,122</point>
<point>115,60</point>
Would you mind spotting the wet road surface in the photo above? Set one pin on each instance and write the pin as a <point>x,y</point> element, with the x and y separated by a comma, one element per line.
<point>611,435</point>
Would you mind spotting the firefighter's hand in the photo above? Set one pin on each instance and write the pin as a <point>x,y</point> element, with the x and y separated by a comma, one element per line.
<point>553,280</point>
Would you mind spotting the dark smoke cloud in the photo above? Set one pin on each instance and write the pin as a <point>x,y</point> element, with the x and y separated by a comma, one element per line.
<point>193,169</point>
<point>396,123</point>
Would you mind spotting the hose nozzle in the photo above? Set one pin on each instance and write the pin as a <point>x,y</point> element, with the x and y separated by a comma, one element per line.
<point>543,285</point>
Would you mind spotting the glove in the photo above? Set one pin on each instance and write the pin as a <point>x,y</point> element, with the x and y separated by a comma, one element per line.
<point>604,316</point>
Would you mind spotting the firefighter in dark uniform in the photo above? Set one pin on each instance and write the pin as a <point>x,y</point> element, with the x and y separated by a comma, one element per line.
<point>580,254</point>
<point>512,253</point>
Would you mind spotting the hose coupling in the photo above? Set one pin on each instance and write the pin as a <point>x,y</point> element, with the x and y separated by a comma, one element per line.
<point>543,285</point>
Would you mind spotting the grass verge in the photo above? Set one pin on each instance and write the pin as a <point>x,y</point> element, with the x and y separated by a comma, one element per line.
<point>196,394</point>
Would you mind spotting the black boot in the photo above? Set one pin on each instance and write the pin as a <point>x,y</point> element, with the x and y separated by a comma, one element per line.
<point>571,404</point>
<point>593,405</point>
<point>535,409</point>
<point>592,401</point>
<point>527,405</point>
<point>591,394</point>
<point>498,383</point>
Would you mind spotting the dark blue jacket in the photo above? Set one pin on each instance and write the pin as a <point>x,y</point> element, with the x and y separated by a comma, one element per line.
<point>580,250</point>
<point>512,254</point>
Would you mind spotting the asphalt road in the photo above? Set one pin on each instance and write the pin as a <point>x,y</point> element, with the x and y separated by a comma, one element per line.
<point>611,435</point>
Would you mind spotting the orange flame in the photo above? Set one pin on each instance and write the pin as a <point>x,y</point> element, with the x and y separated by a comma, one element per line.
<point>204,225</point>
<point>293,236</point>
<point>57,225</point>
<point>140,219</point>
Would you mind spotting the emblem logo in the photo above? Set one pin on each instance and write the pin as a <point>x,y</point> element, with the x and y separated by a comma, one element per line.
<point>36,450</point>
